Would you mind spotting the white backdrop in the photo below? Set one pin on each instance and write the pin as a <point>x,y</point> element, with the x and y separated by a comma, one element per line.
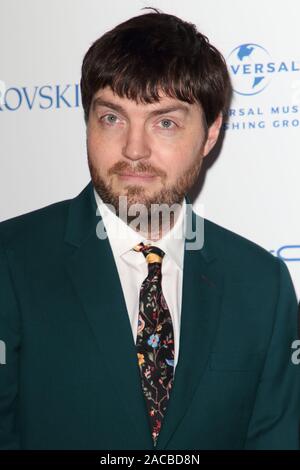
<point>253,186</point>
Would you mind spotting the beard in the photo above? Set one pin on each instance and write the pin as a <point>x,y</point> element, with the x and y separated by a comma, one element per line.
<point>170,195</point>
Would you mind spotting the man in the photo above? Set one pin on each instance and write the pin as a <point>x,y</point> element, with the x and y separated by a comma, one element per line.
<point>121,335</point>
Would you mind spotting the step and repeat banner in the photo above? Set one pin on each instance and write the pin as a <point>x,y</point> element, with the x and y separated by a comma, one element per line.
<point>252,187</point>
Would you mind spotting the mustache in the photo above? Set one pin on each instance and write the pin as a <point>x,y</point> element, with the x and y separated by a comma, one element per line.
<point>140,167</point>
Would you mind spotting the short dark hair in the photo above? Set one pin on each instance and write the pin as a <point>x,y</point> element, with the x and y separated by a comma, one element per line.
<point>153,52</point>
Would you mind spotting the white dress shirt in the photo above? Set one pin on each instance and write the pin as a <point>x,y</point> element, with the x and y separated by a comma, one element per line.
<point>133,269</point>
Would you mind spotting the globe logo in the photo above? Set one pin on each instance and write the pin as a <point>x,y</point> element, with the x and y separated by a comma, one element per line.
<point>248,67</point>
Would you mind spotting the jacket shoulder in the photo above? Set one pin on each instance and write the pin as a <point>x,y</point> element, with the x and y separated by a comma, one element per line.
<point>242,257</point>
<point>46,221</point>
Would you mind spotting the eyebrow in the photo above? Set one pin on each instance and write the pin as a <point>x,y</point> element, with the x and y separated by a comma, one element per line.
<point>156,112</point>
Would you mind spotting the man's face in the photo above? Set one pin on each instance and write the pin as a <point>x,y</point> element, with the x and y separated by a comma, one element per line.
<point>151,153</point>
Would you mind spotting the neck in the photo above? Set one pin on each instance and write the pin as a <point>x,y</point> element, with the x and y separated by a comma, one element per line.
<point>158,224</point>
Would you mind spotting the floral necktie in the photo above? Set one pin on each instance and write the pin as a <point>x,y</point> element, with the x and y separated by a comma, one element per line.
<point>155,340</point>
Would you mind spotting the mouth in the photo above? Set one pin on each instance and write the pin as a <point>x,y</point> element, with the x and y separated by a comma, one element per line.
<point>136,176</point>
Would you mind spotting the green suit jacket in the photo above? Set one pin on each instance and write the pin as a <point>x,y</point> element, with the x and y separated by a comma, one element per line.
<point>70,379</point>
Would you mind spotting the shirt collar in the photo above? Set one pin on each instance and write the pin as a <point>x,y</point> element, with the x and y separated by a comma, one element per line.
<point>123,238</point>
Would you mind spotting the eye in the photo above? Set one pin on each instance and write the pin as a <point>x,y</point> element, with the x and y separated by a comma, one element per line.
<point>109,119</point>
<point>167,124</point>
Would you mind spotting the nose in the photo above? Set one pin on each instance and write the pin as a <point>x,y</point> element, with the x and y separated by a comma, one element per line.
<point>136,145</point>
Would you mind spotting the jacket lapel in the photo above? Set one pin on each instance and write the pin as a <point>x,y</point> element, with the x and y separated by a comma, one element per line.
<point>201,298</point>
<point>95,277</point>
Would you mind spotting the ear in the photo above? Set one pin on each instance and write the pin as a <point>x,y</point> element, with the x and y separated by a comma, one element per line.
<point>213,134</point>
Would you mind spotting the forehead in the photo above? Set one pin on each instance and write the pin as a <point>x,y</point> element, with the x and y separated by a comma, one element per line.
<point>106,97</point>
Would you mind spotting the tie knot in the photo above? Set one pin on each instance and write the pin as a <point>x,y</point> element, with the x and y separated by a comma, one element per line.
<point>153,254</point>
